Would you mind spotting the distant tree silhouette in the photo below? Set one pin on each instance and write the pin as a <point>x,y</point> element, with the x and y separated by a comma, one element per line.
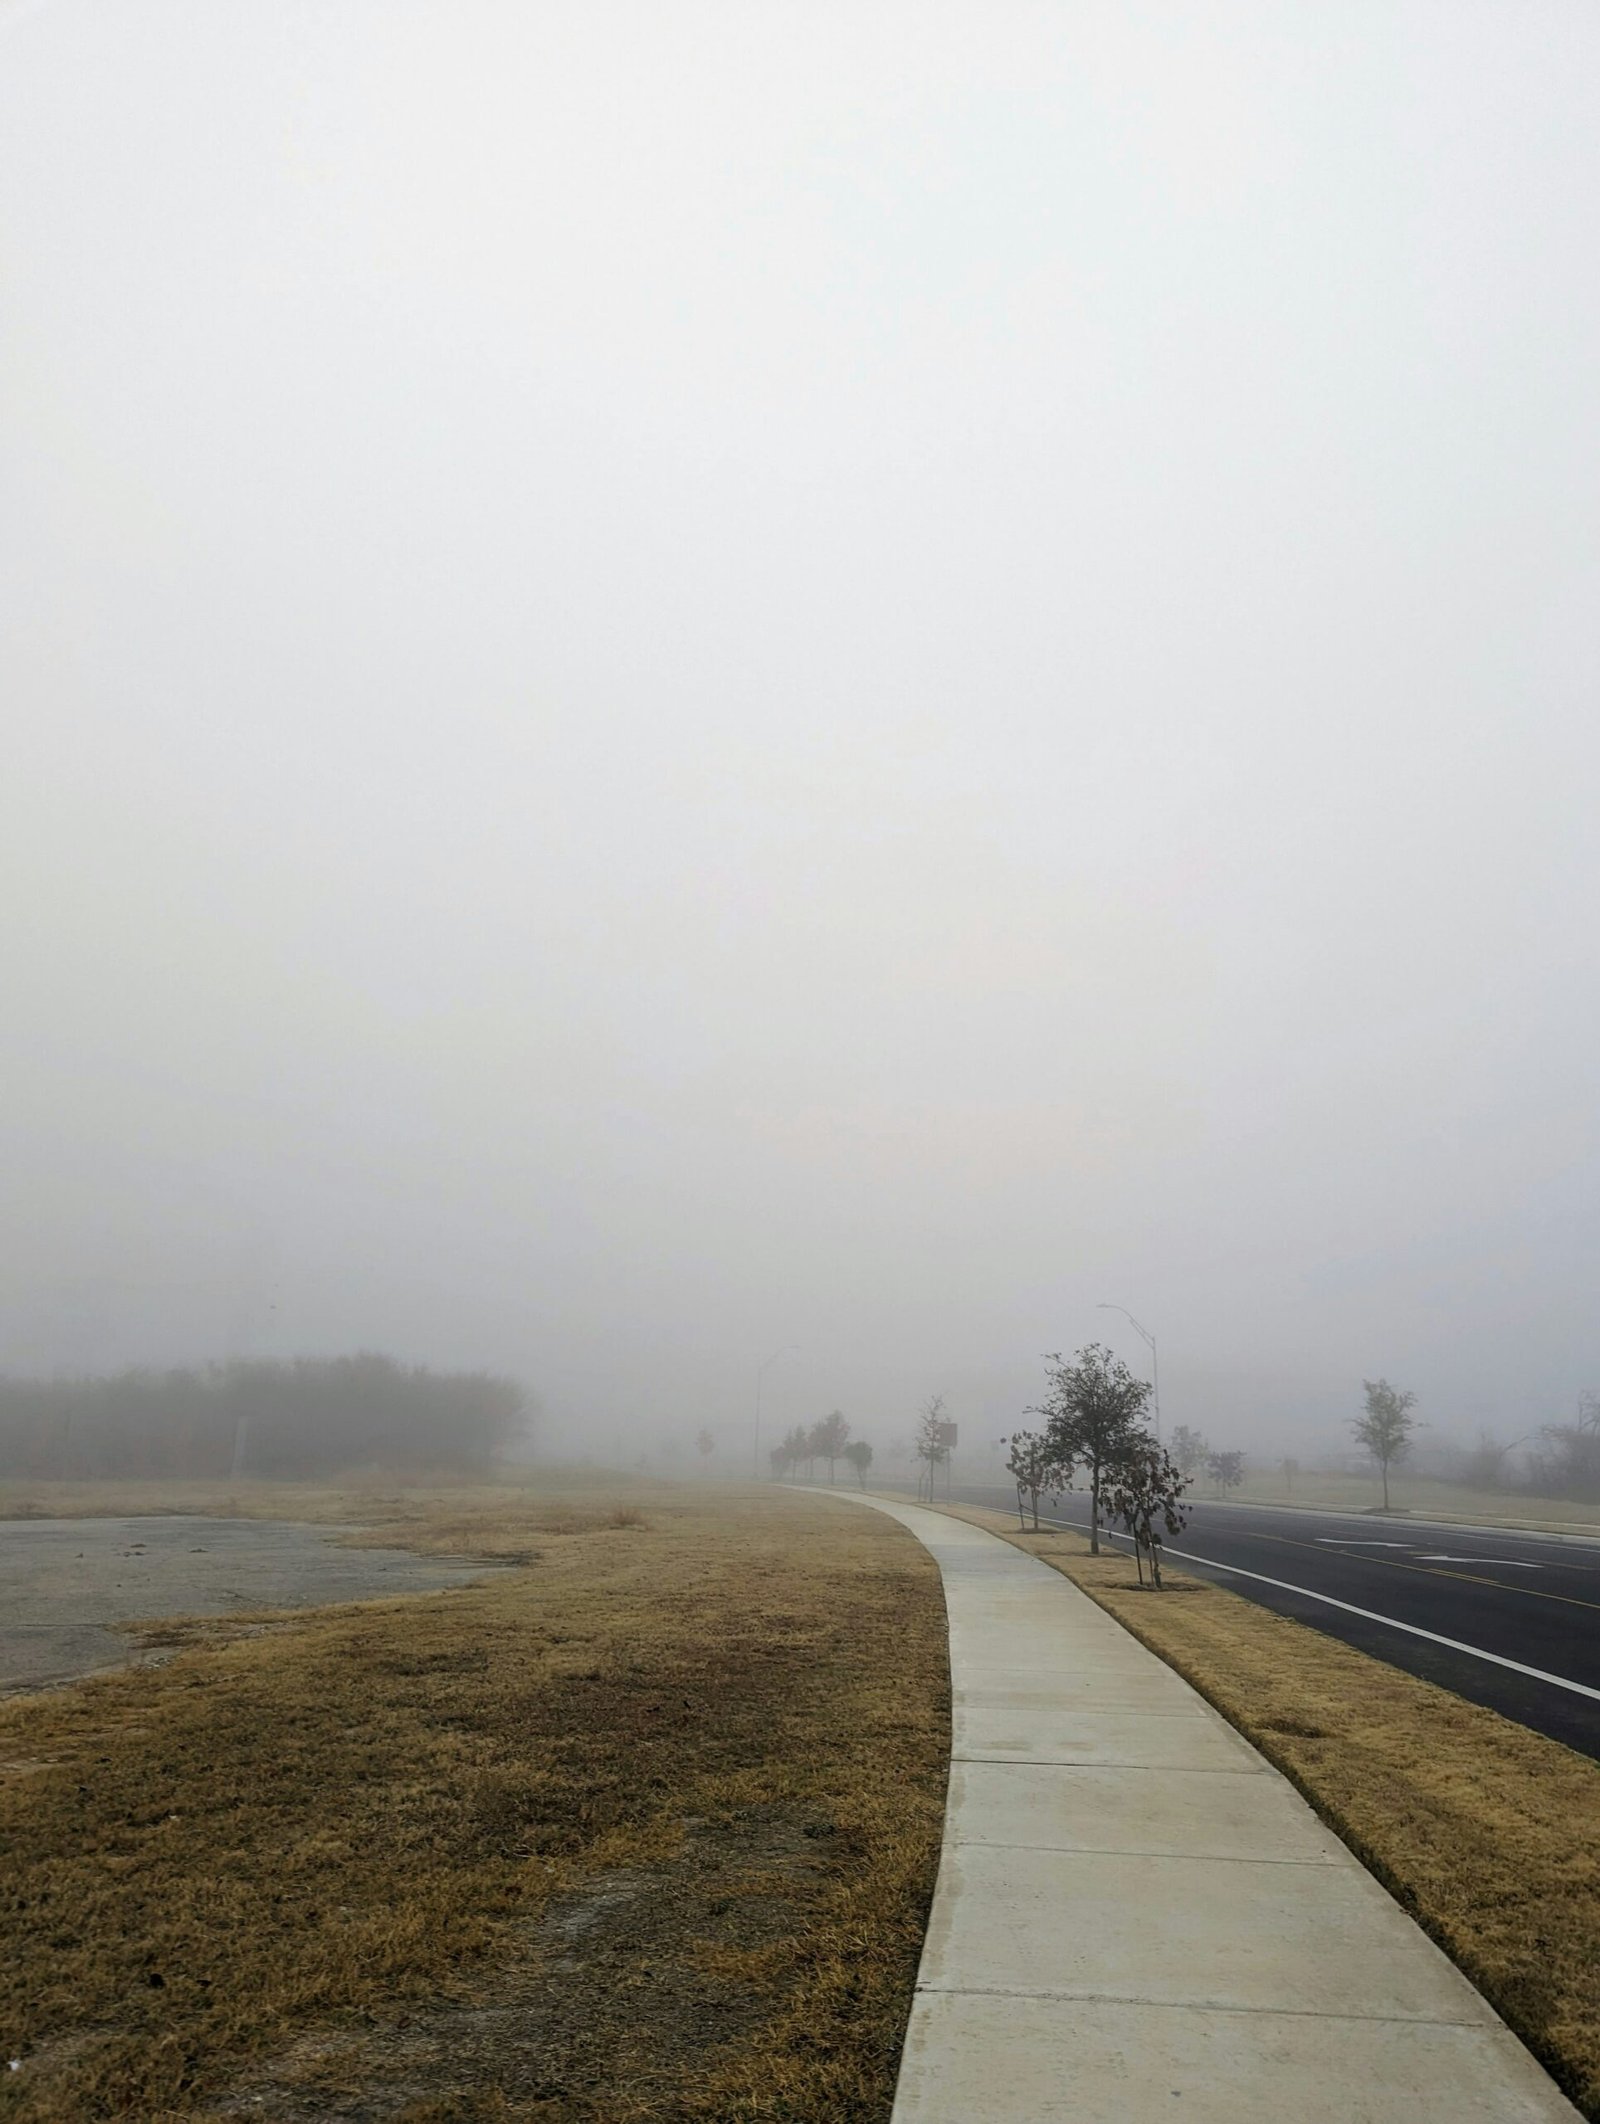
<point>859,1455</point>
<point>829,1438</point>
<point>285,1419</point>
<point>1226,1470</point>
<point>1188,1448</point>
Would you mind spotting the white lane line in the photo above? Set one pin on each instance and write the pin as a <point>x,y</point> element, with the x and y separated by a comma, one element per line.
<point>1505,1563</point>
<point>1393,1622</point>
<point>1340,1541</point>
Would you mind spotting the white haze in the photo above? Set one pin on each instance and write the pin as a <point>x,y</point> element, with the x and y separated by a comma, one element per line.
<point>680,679</point>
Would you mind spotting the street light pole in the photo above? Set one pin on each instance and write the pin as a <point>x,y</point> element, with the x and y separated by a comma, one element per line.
<point>1155,1367</point>
<point>761,1373</point>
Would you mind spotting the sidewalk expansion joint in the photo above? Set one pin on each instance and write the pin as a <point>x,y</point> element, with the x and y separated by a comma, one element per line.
<point>1101,1762</point>
<point>958,1842</point>
<point>1134,1998</point>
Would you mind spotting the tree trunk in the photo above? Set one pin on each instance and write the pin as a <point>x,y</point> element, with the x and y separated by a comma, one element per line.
<point>1094,1512</point>
<point>1385,1466</point>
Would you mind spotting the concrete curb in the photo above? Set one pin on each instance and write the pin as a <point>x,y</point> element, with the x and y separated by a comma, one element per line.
<point>1136,1916</point>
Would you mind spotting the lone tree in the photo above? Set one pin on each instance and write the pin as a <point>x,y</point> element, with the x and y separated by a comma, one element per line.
<point>932,1434</point>
<point>705,1444</point>
<point>796,1446</point>
<point>1226,1470</point>
<point>1188,1449</point>
<point>829,1438</point>
<point>859,1455</point>
<point>1143,1489</point>
<point>1092,1410</point>
<point>1034,1471</point>
<point>1385,1425</point>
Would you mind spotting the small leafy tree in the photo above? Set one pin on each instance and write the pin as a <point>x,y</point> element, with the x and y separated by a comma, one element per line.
<point>779,1459</point>
<point>859,1455</point>
<point>1188,1449</point>
<point>1288,1468</point>
<point>705,1444</point>
<point>1034,1470</point>
<point>829,1438</point>
<point>1144,1488</point>
<point>1092,1410</point>
<point>796,1447</point>
<point>1385,1425</point>
<point>1226,1470</point>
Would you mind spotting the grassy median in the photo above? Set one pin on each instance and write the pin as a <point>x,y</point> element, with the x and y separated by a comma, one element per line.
<point>1489,1834</point>
<point>644,1826</point>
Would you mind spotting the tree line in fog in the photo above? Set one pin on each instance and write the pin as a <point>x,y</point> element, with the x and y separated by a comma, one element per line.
<point>258,1416</point>
<point>827,1439</point>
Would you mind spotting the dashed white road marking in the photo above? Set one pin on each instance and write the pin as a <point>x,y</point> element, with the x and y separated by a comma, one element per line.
<point>1506,1563</point>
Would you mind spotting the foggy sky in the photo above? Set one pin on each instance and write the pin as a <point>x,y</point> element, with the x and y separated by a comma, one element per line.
<point>680,679</point>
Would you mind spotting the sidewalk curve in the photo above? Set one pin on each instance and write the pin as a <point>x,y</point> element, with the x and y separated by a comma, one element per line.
<point>1137,1917</point>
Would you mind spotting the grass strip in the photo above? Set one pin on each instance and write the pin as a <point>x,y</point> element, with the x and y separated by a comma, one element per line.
<point>646,1827</point>
<point>1489,1834</point>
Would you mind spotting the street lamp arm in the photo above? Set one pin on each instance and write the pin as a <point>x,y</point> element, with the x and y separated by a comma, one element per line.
<point>1107,1306</point>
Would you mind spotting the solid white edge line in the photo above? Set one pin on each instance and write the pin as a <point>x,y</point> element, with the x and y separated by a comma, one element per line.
<point>1454,1644</point>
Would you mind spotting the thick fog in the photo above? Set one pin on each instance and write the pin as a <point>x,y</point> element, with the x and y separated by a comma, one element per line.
<point>685,679</point>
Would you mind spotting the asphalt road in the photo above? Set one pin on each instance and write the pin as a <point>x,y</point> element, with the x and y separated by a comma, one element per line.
<point>1507,1620</point>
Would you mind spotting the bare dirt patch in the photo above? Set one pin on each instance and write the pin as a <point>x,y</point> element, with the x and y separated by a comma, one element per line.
<point>72,1590</point>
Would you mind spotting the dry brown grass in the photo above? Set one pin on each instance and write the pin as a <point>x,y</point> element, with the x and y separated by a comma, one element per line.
<point>1489,1834</point>
<point>645,1829</point>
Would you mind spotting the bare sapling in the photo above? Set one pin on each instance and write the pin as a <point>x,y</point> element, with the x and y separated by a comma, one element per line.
<point>933,1430</point>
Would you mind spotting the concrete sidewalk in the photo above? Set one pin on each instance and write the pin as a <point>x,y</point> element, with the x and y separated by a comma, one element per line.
<point>1137,1917</point>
